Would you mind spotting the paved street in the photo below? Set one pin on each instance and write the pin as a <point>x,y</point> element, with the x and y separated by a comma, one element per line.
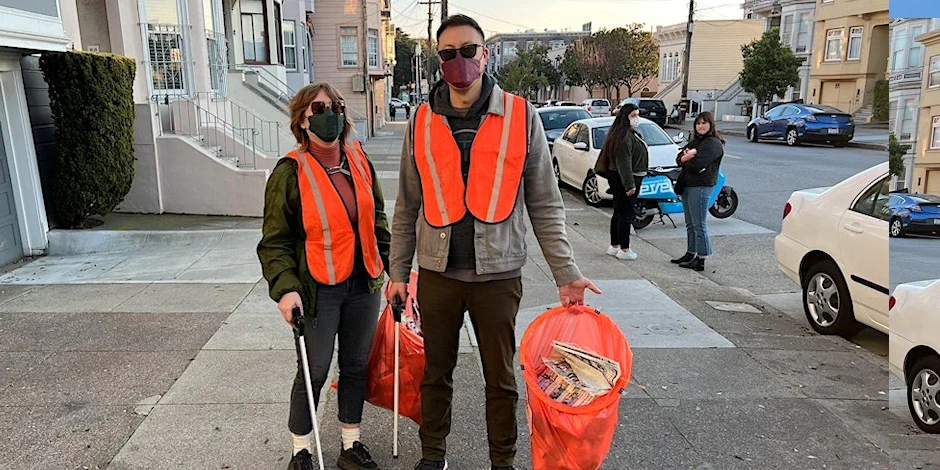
<point>181,361</point>
<point>914,258</point>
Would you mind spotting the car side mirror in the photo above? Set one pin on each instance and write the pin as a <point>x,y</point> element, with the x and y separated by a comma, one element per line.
<point>580,146</point>
<point>679,138</point>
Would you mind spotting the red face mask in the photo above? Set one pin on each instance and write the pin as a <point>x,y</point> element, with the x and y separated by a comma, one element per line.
<point>461,72</point>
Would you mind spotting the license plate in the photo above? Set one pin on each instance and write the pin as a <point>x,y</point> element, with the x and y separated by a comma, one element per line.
<point>833,131</point>
<point>652,114</point>
<point>936,221</point>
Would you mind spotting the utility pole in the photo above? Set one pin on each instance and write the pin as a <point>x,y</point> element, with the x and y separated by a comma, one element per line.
<point>443,10</point>
<point>366,79</point>
<point>430,4</point>
<point>685,64</point>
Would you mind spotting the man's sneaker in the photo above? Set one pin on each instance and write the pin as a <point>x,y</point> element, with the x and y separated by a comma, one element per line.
<point>627,255</point>
<point>612,250</point>
<point>356,458</point>
<point>426,464</point>
<point>302,461</point>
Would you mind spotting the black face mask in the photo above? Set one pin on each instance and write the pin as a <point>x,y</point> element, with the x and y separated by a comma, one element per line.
<point>327,125</point>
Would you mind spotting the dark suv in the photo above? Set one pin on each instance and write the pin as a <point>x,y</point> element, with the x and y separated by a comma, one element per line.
<point>651,109</point>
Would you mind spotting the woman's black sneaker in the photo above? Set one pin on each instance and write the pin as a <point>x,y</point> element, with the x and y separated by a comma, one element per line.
<point>356,458</point>
<point>696,263</point>
<point>426,464</point>
<point>685,258</point>
<point>302,461</point>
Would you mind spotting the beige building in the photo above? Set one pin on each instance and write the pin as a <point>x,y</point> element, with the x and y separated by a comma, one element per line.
<point>715,58</point>
<point>344,48</point>
<point>926,177</point>
<point>850,53</point>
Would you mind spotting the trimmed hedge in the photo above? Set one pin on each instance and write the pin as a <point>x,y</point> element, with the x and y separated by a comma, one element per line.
<point>879,107</point>
<point>92,100</point>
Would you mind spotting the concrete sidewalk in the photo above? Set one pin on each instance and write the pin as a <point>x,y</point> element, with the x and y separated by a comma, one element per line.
<point>159,374</point>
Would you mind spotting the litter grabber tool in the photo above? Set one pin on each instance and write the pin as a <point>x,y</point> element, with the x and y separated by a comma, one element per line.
<point>298,319</point>
<point>397,307</point>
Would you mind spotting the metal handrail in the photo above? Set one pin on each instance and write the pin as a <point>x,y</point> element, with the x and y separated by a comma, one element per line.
<point>284,91</point>
<point>181,114</point>
<point>269,132</point>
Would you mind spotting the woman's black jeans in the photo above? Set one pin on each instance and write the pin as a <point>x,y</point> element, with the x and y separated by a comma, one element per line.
<point>624,213</point>
<point>349,310</point>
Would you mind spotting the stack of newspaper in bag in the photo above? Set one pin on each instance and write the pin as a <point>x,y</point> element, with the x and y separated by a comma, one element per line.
<point>576,377</point>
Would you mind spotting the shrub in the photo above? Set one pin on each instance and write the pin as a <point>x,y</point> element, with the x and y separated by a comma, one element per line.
<point>92,101</point>
<point>880,105</point>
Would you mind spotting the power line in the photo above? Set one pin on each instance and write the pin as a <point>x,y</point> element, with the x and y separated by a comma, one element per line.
<point>491,17</point>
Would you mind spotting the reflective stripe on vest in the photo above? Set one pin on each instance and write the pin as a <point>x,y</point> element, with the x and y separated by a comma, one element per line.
<point>331,243</point>
<point>497,160</point>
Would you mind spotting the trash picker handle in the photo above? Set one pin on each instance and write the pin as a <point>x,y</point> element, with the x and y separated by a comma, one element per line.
<point>397,308</point>
<point>298,318</point>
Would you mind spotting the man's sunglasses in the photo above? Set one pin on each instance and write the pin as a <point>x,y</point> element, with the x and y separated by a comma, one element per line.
<point>469,51</point>
<point>319,107</point>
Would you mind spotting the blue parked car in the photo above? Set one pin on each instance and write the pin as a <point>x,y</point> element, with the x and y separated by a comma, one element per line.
<point>796,123</point>
<point>914,213</point>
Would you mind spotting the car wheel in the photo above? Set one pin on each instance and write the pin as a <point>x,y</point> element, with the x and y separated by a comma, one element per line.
<point>592,196</point>
<point>923,393</point>
<point>752,133</point>
<point>897,228</point>
<point>839,144</point>
<point>793,137</point>
<point>826,301</point>
<point>557,172</point>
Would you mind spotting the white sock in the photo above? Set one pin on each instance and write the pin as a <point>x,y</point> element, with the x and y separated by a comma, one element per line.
<point>349,437</point>
<point>301,443</point>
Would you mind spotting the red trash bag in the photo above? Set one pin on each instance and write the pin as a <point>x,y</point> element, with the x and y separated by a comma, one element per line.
<point>572,437</point>
<point>381,364</point>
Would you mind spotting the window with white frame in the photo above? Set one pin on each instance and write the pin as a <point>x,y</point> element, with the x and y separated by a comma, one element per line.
<point>908,116</point>
<point>373,48</point>
<point>349,45</point>
<point>855,43</point>
<point>254,31</point>
<point>556,44</point>
<point>894,116</point>
<point>786,30</point>
<point>935,133</point>
<point>290,45</point>
<point>898,47</point>
<point>834,45</point>
<point>915,55</point>
<point>509,49</point>
<point>934,79</point>
<point>805,25</point>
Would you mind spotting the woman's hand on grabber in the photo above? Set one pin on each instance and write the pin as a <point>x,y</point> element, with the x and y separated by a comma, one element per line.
<point>286,306</point>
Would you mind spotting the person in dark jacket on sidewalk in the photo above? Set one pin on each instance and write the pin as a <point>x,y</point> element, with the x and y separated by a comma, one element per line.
<point>624,160</point>
<point>474,161</point>
<point>323,249</point>
<point>700,161</point>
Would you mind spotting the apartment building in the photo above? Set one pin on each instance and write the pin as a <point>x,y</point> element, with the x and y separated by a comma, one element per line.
<point>27,28</point>
<point>850,53</point>
<point>504,47</point>
<point>926,174</point>
<point>905,79</point>
<point>795,19</point>
<point>716,63</point>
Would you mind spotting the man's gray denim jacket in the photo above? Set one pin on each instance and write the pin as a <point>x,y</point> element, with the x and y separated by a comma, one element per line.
<point>499,247</point>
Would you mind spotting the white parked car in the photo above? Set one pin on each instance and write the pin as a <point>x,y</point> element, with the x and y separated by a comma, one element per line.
<point>396,103</point>
<point>575,153</point>
<point>914,349</point>
<point>834,244</point>
<point>598,107</point>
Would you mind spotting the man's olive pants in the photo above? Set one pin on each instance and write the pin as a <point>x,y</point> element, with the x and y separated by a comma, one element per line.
<point>493,307</point>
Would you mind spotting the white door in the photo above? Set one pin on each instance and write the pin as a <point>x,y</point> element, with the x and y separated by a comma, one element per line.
<point>564,150</point>
<point>863,239</point>
<point>11,245</point>
<point>583,163</point>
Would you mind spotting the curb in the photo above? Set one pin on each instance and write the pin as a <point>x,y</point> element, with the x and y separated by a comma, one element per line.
<point>861,145</point>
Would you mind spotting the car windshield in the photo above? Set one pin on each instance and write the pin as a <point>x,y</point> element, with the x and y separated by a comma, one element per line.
<point>651,134</point>
<point>561,119</point>
<point>651,104</point>
<point>600,103</point>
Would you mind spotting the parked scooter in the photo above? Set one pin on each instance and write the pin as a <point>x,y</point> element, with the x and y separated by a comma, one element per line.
<point>658,197</point>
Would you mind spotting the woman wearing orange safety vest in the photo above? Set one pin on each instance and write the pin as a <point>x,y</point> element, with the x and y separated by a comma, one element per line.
<point>324,249</point>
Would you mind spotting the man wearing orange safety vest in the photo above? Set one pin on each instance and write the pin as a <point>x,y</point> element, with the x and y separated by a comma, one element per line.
<point>474,159</point>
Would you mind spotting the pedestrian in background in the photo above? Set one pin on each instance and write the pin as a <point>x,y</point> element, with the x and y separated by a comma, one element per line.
<point>470,240</point>
<point>323,249</point>
<point>624,160</point>
<point>700,161</point>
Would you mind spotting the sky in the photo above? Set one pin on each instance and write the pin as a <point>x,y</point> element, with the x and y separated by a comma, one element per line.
<point>506,16</point>
<point>914,9</point>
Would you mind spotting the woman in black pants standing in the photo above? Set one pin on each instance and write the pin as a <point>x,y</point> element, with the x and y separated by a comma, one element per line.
<point>624,160</point>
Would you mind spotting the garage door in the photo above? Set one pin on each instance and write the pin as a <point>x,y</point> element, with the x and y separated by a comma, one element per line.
<point>11,245</point>
<point>838,94</point>
<point>933,183</point>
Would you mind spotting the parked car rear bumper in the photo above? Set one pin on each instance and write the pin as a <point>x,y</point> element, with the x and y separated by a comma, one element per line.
<point>822,134</point>
<point>789,254</point>
<point>925,224</point>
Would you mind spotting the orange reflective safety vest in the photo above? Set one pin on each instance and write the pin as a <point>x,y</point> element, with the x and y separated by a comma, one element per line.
<point>331,241</point>
<point>497,159</point>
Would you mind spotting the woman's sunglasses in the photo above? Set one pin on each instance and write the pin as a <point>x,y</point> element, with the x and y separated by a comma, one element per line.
<point>319,107</point>
<point>469,51</point>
